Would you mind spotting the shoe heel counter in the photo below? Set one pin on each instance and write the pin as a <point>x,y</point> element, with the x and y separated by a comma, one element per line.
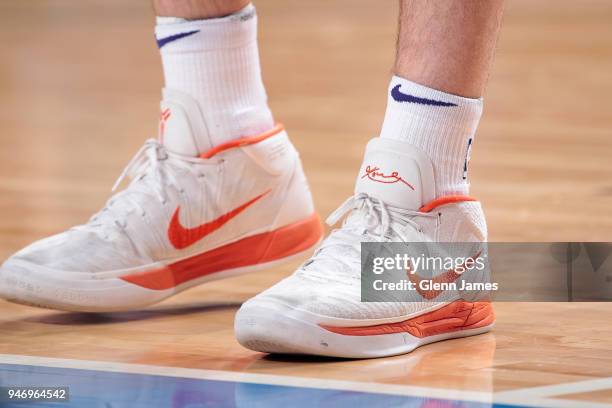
<point>475,218</point>
<point>298,203</point>
<point>277,156</point>
<point>463,222</point>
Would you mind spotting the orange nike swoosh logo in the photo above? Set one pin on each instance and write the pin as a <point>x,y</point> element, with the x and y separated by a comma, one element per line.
<point>447,277</point>
<point>181,237</point>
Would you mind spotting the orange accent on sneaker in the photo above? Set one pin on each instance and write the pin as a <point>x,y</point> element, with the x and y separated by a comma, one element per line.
<point>445,200</point>
<point>163,118</point>
<point>243,141</point>
<point>373,173</point>
<point>181,237</point>
<point>458,315</point>
<point>256,249</point>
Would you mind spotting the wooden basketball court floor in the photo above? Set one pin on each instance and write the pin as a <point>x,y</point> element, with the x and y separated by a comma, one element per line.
<point>79,86</point>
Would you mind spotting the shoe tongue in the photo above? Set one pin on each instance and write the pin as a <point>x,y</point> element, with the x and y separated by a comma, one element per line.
<point>396,173</point>
<point>181,124</point>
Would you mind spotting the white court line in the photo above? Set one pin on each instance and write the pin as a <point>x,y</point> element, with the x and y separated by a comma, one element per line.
<point>554,403</point>
<point>528,401</point>
<point>547,391</point>
<point>253,378</point>
<point>534,397</point>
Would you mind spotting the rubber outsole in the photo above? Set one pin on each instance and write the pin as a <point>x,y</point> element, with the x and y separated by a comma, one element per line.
<point>274,328</point>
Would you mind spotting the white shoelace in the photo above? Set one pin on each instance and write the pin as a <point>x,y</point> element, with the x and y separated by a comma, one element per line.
<point>379,223</point>
<point>151,177</point>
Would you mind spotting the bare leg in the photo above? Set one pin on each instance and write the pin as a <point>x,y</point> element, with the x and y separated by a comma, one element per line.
<point>197,9</point>
<point>448,45</point>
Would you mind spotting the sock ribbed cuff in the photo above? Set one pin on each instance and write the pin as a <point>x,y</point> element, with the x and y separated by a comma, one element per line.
<point>208,34</point>
<point>440,124</point>
<point>216,62</point>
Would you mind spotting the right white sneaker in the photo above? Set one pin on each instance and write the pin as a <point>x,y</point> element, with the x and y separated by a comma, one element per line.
<point>318,310</point>
<point>183,220</point>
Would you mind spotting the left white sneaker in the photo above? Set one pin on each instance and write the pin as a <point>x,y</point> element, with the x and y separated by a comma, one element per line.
<point>185,218</point>
<point>318,309</point>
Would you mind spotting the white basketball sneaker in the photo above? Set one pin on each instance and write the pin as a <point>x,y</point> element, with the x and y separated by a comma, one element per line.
<point>318,310</point>
<point>183,220</point>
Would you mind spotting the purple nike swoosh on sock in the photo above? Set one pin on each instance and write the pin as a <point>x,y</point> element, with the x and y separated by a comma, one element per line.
<point>398,96</point>
<point>163,41</point>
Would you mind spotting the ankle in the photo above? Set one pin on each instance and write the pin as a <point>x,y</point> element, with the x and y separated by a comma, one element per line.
<point>440,124</point>
<point>216,62</point>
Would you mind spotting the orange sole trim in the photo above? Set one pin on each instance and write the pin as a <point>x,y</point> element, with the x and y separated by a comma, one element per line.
<point>458,315</point>
<point>261,248</point>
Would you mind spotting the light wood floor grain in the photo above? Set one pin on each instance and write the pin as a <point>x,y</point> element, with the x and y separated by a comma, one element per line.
<point>79,88</point>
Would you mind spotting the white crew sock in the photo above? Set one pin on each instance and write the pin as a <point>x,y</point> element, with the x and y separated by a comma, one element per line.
<point>440,124</point>
<point>216,61</point>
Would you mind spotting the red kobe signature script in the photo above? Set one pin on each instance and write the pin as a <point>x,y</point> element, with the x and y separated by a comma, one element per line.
<point>374,174</point>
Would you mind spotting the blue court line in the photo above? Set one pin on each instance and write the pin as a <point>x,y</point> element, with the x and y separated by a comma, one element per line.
<point>102,389</point>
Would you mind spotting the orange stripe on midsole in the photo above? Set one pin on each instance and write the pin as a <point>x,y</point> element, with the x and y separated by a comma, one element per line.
<point>458,315</point>
<point>253,250</point>
<point>243,141</point>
